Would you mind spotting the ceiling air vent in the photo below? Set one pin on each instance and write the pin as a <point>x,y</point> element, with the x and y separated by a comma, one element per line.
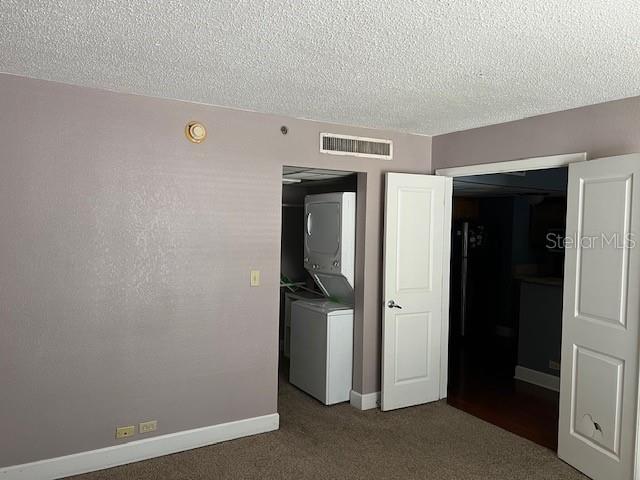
<point>356,146</point>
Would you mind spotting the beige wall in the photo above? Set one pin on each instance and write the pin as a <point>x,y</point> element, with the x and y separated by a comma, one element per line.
<point>606,129</point>
<point>125,253</point>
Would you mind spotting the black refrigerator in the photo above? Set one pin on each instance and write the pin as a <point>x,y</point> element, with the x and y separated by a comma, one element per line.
<point>467,252</point>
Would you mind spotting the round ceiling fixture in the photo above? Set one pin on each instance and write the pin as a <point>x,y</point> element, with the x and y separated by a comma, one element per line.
<point>195,132</point>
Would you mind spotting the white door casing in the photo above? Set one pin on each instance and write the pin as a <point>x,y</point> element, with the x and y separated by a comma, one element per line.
<point>417,237</point>
<point>599,373</point>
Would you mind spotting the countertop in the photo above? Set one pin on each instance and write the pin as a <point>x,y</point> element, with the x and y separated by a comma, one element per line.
<point>550,281</point>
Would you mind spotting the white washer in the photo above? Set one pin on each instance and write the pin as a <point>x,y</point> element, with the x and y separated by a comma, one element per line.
<point>322,349</point>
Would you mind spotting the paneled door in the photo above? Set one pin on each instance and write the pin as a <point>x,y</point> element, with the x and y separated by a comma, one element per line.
<point>599,373</point>
<point>416,249</point>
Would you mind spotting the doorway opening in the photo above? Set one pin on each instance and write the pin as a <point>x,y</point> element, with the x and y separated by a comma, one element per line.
<point>506,284</point>
<point>317,285</point>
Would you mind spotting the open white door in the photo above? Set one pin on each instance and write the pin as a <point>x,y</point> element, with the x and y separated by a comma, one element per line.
<point>416,248</point>
<point>599,377</point>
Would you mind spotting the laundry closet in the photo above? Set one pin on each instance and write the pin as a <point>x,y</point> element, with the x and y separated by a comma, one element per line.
<point>317,282</point>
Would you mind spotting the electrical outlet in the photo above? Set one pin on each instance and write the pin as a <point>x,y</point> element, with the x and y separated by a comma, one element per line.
<point>124,432</point>
<point>146,427</point>
<point>554,365</point>
<point>255,278</point>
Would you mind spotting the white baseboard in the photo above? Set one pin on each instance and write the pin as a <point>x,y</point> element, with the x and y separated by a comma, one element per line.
<point>535,377</point>
<point>137,450</point>
<point>365,401</point>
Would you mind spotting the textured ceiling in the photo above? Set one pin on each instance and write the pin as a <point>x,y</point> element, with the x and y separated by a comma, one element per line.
<point>429,67</point>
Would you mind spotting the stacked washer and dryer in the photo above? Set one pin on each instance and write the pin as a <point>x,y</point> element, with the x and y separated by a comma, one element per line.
<point>321,352</point>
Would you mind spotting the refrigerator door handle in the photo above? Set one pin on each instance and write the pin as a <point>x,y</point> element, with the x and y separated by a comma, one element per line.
<point>463,278</point>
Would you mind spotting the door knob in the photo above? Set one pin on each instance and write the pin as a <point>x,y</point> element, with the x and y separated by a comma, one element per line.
<point>392,304</point>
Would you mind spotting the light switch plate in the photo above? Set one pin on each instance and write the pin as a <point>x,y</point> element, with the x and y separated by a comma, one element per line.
<point>255,278</point>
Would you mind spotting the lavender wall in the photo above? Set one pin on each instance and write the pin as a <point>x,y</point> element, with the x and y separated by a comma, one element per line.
<point>125,254</point>
<point>611,128</point>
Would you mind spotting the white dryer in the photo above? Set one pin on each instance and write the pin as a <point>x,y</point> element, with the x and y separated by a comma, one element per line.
<point>329,243</point>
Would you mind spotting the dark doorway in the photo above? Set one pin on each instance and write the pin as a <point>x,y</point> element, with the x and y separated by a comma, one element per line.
<point>506,300</point>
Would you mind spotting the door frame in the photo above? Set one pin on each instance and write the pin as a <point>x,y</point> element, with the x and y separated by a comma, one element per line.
<point>517,165</point>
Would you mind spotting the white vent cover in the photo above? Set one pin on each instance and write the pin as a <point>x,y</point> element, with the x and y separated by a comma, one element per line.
<point>356,146</point>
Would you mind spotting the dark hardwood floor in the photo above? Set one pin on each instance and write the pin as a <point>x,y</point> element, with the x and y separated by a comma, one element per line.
<point>481,383</point>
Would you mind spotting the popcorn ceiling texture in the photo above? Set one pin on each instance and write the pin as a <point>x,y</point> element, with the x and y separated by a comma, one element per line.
<point>425,66</point>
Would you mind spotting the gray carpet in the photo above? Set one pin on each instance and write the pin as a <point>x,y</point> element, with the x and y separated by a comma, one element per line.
<point>432,441</point>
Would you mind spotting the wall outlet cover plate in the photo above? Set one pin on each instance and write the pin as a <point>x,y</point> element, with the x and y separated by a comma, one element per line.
<point>150,426</point>
<point>124,432</point>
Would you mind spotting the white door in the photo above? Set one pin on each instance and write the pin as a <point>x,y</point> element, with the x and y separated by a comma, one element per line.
<point>599,377</point>
<point>416,257</point>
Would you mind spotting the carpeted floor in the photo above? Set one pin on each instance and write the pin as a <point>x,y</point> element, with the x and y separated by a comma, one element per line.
<point>432,441</point>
